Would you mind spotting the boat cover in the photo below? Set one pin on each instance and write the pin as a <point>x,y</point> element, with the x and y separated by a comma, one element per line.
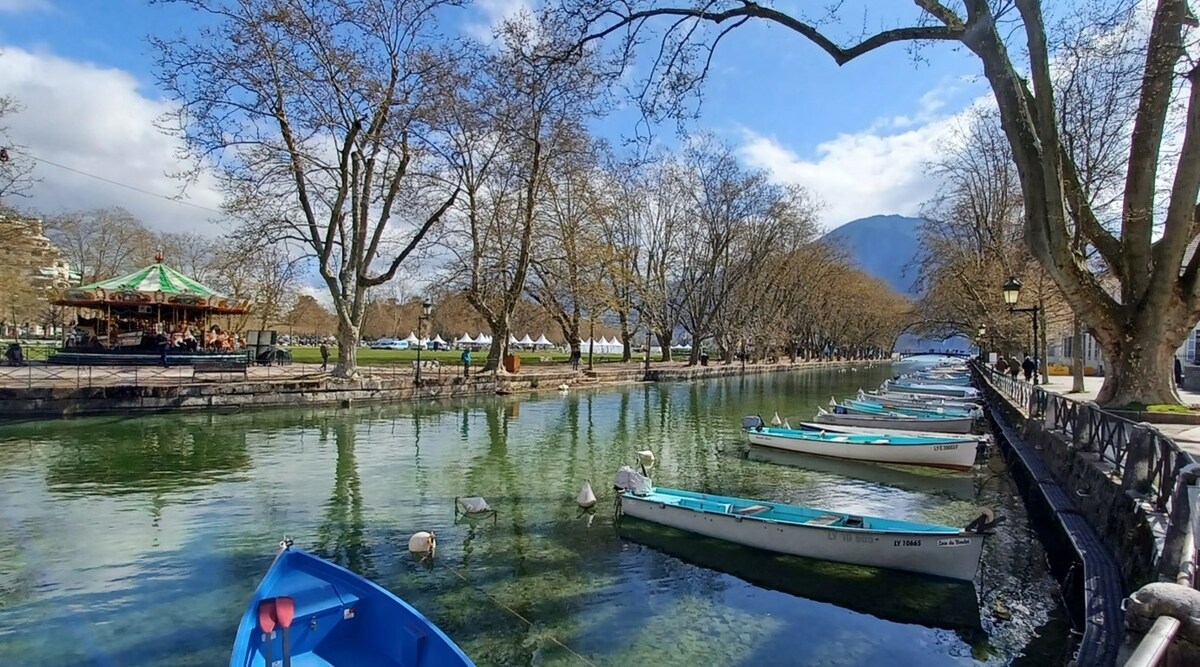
<point>628,479</point>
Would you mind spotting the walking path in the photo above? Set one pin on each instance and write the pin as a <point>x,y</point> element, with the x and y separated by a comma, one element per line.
<point>1187,436</point>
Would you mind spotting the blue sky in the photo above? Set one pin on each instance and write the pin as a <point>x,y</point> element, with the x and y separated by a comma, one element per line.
<point>857,136</point>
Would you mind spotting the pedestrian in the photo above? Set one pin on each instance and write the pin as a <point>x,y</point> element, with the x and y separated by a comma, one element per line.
<point>1001,365</point>
<point>1178,372</point>
<point>1029,366</point>
<point>575,356</point>
<point>466,362</point>
<point>163,343</point>
<point>15,355</point>
<point>324,355</point>
<point>1014,367</point>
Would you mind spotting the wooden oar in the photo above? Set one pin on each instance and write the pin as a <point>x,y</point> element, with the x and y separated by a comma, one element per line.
<point>285,610</point>
<point>266,623</point>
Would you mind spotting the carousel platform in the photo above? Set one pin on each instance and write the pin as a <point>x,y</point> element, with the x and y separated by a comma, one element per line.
<point>141,357</point>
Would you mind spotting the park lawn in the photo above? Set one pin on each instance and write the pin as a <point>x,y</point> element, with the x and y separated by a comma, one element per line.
<point>370,357</point>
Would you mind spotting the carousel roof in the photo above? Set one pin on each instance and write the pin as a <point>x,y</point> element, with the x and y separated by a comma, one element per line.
<point>155,278</point>
<point>155,284</point>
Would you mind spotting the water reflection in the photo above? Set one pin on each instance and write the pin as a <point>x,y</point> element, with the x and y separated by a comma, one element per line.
<point>354,484</point>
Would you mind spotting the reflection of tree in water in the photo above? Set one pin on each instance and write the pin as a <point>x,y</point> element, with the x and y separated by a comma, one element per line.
<point>340,536</point>
<point>148,454</point>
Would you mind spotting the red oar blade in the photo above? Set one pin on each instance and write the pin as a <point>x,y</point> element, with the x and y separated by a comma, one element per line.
<point>285,610</point>
<point>266,616</point>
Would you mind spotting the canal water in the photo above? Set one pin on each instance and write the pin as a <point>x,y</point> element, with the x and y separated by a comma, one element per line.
<point>137,540</point>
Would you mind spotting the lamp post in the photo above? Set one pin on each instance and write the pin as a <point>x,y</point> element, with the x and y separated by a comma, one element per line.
<point>1012,291</point>
<point>426,309</point>
<point>982,334</point>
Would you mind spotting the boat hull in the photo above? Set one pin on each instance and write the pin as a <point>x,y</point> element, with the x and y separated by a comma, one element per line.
<point>953,556</point>
<point>932,390</point>
<point>341,620</point>
<point>953,455</point>
<point>964,425</point>
<point>865,430</point>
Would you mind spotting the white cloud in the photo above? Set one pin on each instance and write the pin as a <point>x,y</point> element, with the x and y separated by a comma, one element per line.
<point>96,120</point>
<point>492,14</point>
<point>19,6</point>
<point>879,170</point>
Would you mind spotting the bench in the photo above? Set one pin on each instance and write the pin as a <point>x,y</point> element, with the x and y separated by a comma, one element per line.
<point>240,366</point>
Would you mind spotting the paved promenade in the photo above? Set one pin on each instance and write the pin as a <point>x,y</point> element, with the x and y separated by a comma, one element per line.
<point>1187,436</point>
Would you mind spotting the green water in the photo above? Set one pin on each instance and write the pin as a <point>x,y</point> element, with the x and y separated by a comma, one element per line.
<point>137,541</point>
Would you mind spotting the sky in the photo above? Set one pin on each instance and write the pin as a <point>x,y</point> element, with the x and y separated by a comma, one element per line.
<point>858,137</point>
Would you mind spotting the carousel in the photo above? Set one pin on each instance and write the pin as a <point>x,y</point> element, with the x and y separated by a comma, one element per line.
<point>119,321</point>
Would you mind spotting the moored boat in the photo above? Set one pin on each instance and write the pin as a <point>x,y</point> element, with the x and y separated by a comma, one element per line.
<point>916,401</point>
<point>957,391</point>
<point>897,423</point>
<point>838,428</point>
<point>909,546</point>
<point>894,409</point>
<point>949,452</point>
<point>341,620</point>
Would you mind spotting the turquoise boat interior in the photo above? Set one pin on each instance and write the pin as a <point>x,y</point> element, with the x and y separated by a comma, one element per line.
<point>857,438</point>
<point>790,514</point>
<point>880,408</point>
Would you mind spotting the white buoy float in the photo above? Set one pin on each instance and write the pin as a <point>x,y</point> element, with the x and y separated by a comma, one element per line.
<point>646,458</point>
<point>564,387</point>
<point>586,499</point>
<point>422,542</point>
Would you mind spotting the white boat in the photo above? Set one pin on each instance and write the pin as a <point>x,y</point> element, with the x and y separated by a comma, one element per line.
<point>916,400</point>
<point>835,428</point>
<point>898,423</point>
<point>952,390</point>
<point>942,551</point>
<point>948,452</point>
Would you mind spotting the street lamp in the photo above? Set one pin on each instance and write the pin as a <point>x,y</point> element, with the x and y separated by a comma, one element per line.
<point>982,333</point>
<point>1012,291</point>
<point>426,309</point>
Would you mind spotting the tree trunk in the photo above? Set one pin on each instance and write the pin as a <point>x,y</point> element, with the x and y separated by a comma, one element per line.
<point>626,344</point>
<point>664,341</point>
<point>347,356</point>
<point>1140,372</point>
<point>1040,350</point>
<point>1076,356</point>
<point>499,348</point>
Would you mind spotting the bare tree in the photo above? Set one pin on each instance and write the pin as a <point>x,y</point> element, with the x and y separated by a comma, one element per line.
<point>1154,298</point>
<point>312,112</point>
<point>515,124</point>
<point>102,243</point>
<point>16,166</point>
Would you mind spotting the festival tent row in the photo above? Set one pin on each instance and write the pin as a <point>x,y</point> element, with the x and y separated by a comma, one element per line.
<point>602,346</point>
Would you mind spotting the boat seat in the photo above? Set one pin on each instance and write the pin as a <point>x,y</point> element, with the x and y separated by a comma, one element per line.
<point>854,522</point>
<point>824,520</point>
<point>751,510</point>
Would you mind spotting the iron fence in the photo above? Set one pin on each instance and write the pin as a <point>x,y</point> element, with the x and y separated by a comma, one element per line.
<point>1155,467</point>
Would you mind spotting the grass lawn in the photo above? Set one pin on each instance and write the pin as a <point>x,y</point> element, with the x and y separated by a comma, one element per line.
<point>1159,407</point>
<point>369,357</point>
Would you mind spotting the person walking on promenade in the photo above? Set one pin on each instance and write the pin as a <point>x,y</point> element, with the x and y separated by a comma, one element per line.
<point>163,343</point>
<point>1001,365</point>
<point>1178,372</point>
<point>324,355</point>
<point>575,356</point>
<point>466,362</point>
<point>1014,367</point>
<point>1029,366</point>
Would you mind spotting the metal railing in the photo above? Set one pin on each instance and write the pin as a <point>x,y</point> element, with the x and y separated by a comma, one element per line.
<point>1157,460</point>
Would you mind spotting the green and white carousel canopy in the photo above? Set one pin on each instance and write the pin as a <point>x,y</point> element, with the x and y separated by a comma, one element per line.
<point>155,284</point>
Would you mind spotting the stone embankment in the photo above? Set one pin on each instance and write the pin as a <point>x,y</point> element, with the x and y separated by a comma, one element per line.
<point>50,401</point>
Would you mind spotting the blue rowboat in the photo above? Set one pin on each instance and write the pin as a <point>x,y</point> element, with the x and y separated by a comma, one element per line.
<point>910,546</point>
<point>953,390</point>
<point>954,453</point>
<point>336,619</point>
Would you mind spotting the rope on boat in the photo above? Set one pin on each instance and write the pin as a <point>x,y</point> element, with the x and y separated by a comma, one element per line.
<point>514,612</point>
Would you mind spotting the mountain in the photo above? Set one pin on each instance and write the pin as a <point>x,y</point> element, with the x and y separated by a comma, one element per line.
<point>883,246</point>
<point>886,246</point>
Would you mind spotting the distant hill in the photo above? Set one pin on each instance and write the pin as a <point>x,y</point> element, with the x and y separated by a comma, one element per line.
<point>883,246</point>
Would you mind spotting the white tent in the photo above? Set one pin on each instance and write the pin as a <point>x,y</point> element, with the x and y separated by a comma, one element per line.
<point>465,340</point>
<point>412,339</point>
<point>437,340</point>
<point>481,339</point>
<point>542,341</point>
<point>526,340</point>
<point>603,342</point>
<point>512,340</point>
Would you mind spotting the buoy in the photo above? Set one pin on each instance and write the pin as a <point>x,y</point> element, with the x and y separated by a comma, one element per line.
<point>564,386</point>
<point>586,498</point>
<point>646,458</point>
<point>422,543</point>
<point>776,421</point>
